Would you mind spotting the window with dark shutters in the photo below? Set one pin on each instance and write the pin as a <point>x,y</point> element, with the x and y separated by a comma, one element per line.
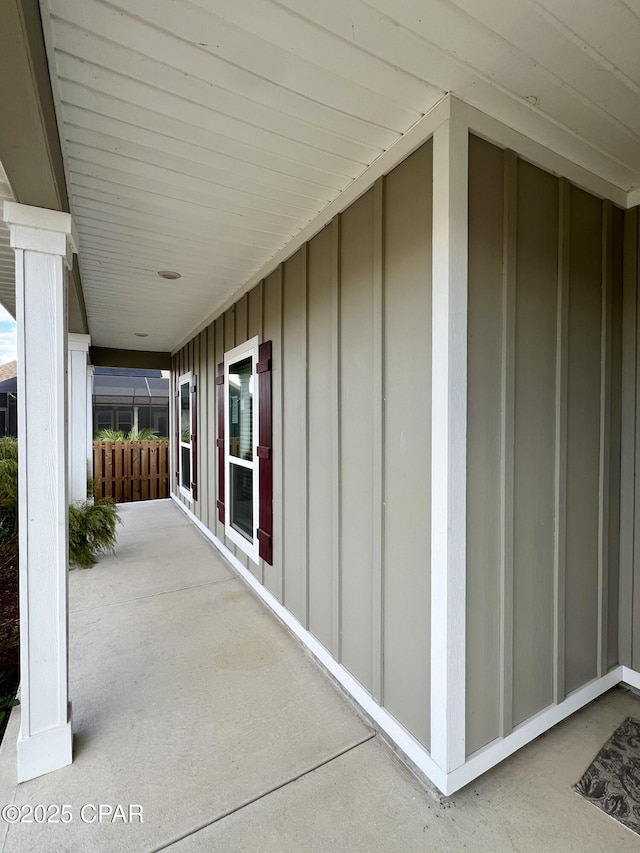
<point>220,441</point>
<point>194,439</point>
<point>265,467</point>
<point>245,473</point>
<point>176,396</point>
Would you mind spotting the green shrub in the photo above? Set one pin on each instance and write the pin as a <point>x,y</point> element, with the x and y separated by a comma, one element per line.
<point>145,434</point>
<point>92,529</point>
<point>9,448</point>
<point>110,435</point>
<point>8,488</point>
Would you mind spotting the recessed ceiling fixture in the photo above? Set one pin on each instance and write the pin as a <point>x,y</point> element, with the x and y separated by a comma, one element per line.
<point>141,334</point>
<point>169,274</point>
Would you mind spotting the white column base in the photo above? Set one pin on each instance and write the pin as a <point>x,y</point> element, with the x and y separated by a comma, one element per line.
<point>45,751</point>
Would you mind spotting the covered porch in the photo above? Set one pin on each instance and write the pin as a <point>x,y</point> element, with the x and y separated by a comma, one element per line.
<point>192,701</point>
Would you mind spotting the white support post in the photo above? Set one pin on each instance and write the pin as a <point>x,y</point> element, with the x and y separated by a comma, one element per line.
<point>78,419</point>
<point>43,241</point>
<point>448,442</point>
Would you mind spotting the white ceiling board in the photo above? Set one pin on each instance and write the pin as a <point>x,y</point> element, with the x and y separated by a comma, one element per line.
<point>205,135</point>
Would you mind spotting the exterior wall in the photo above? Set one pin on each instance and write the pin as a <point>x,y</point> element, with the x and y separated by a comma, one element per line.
<point>544,429</point>
<point>629,627</point>
<point>349,315</point>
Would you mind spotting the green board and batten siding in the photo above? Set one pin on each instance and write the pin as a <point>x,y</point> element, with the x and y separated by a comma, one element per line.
<point>544,420</point>
<point>351,473</point>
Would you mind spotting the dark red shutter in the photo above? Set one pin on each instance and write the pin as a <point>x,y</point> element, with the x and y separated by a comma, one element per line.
<point>220,440</point>
<point>177,399</point>
<point>194,439</point>
<point>265,463</point>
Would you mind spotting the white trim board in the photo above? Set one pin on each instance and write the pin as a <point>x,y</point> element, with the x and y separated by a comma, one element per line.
<point>476,764</point>
<point>630,677</point>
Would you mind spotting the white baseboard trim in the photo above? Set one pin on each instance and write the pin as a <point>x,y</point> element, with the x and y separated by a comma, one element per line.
<point>630,677</point>
<point>476,764</point>
<point>498,750</point>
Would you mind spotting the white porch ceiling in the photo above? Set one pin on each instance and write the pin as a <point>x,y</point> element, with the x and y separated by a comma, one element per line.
<point>203,135</point>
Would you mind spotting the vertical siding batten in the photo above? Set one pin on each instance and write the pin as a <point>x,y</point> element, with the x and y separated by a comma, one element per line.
<point>356,437</point>
<point>628,437</point>
<point>510,223</point>
<point>377,445</point>
<point>322,475</point>
<point>406,442</point>
<point>534,440</point>
<point>336,464</point>
<point>560,486</point>
<point>294,404</point>
<point>448,443</point>
<point>605,437</point>
<point>614,449</point>
<point>635,582</point>
<point>485,643</point>
<point>583,443</point>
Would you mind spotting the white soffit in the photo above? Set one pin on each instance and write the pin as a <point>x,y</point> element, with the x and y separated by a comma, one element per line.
<point>7,257</point>
<point>203,135</point>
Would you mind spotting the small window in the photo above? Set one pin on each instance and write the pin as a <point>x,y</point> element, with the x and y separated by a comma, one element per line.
<point>185,458</point>
<point>241,464</point>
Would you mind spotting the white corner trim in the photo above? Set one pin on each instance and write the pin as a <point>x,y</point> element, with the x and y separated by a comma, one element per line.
<point>408,744</point>
<point>448,442</point>
<point>630,677</point>
<point>422,130</point>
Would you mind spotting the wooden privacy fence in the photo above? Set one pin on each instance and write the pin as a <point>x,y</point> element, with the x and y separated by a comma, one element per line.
<point>131,470</point>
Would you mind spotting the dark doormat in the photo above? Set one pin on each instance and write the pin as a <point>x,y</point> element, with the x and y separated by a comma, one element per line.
<point>612,780</point>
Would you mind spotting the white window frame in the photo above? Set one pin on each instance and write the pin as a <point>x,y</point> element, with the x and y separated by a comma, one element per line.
<point>251,549</point>
<point>185,379</point>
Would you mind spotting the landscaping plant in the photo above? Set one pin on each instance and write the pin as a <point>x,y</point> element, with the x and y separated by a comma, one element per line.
<point>92,529</point>
<point>145,434</point>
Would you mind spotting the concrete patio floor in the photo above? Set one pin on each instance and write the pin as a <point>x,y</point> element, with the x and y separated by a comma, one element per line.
<point>192,701</point>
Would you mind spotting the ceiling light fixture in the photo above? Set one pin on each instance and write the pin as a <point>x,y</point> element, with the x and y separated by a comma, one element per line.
<point>169,274</point>
<point>141,334</point>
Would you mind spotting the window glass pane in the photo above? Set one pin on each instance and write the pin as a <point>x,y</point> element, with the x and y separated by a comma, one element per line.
<point>241,489</point>
<point>185,468</point>
<point>241,409</point>
<point>185,414</point>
